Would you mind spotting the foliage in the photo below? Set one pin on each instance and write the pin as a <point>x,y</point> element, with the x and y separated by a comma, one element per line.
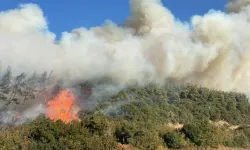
<point>174,140</point>
<point>139,117</point>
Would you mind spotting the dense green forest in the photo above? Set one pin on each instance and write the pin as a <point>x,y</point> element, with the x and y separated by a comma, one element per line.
<point>170,117</point>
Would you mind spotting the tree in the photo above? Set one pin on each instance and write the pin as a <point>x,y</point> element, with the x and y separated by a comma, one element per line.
<point>42,81</point>
<point>6,79</point>
<point>43,77</point>
<point>18,83</point>
<point>174,140</point>
<point>19,80</point>
<point>29,87</point>
<point>32,79</point>
<point>123,134</point>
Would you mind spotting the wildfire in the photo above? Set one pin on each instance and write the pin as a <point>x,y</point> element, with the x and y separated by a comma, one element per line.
<point>17,116</point>
<point>62,107</point>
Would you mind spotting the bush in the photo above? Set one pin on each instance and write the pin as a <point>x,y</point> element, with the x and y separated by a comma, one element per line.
<point>47,134</point>
<point>201,133</point>
<point>149,140</point>
<point>174,140</point>
<point>123,134</point>
<point>98,124</point>
<point>240,140</point>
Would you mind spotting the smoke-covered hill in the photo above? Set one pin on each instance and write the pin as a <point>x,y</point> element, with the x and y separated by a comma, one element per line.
<point>179,117</point>
<point>151,47</point>
<point>24,97</point>
<point>118,86</point>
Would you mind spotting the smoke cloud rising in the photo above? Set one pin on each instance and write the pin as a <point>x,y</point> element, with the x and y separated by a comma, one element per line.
<point>237,5</point>
<point>151,46</point>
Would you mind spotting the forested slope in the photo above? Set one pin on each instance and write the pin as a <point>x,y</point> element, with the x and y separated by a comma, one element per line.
<point>145,118</point>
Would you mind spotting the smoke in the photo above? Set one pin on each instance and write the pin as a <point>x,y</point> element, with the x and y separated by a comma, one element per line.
<point>11,117</point>
<point>237,5</point>
<point>151,46</point>
<point>27,45</point>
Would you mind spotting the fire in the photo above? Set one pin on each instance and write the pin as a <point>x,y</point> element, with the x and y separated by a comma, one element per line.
<point>62,107</point>
<point>17,116</point>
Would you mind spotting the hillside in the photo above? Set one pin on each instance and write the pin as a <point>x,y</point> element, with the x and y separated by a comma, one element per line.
<point>178,117</point>
<point>123,84</point>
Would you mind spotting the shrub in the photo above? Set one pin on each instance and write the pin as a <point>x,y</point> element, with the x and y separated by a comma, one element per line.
<point>240,140</point>
<point>174,140</point>
<point>200,132</point>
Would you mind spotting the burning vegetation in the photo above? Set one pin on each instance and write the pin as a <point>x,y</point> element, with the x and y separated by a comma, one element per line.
<point>25,97</point>
<point>149,121</point>
<point>63,107</point>
<point>40,113</point>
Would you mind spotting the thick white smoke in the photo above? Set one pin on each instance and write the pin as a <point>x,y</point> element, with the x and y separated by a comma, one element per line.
<point>26,43</point>
<point>152,46</point>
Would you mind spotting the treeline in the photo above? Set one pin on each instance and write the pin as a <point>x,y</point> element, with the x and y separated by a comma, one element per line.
<point>138,118</point>
<point>182,104</point>
<point>22,87</point>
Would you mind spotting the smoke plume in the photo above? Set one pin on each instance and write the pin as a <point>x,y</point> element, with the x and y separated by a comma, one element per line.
<point>151,46</point>
<point>237,5</point>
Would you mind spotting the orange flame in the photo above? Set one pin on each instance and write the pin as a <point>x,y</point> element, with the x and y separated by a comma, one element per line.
<point>62,107</point>
<point>17,116</point>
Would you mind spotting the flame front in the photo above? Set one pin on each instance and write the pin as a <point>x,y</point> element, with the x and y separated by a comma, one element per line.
<point>62,107</point>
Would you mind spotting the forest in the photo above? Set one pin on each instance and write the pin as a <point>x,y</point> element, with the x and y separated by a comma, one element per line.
<point>143,118</point>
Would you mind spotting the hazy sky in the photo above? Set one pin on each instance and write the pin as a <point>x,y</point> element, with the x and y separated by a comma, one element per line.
<point>64,15</point>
